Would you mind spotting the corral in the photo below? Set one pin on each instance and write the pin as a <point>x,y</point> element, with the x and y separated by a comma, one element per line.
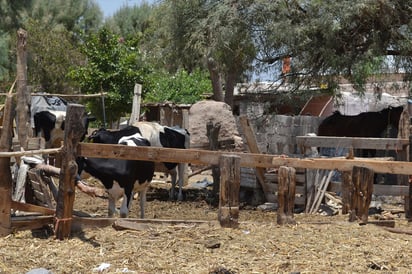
<point>198,244</point>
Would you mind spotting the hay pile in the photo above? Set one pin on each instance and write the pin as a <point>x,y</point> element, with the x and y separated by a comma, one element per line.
<point>259,245</point>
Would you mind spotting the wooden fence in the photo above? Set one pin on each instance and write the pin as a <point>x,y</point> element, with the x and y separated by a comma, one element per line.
<point>72,148</point>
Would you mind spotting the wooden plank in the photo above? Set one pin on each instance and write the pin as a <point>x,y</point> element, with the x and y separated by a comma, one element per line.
<point>91,222</point>
<point>30,222</point>
<point>204,157</point>
<point>380,190</point>
<point>274,177</point>
<point>299,200</point>
<point>347,142</point>
<point>393,167</point>
<point>31,208</point>
<point>273,188</point>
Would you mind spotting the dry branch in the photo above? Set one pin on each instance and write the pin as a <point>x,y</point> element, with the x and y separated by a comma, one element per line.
<point>398,231</point>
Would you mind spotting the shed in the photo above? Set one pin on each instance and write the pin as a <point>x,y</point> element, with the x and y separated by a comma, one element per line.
<point>168,114</point>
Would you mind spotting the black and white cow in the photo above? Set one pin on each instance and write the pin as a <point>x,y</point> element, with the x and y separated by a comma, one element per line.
<point>50,125</point>
<point>48,114</point>
<point>168,137</point>
<point>121,178</point>
<point>158,136</point>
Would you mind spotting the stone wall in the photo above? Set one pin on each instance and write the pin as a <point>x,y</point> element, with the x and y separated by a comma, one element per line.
<point>276,134</point>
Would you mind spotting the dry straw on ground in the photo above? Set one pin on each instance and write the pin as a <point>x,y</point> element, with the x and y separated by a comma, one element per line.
<point>317,244</point>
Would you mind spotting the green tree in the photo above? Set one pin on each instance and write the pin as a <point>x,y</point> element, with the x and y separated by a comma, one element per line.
<point>180,88</point>
<point>52,53</point>
<point>59,24</point>
<point>209,34</point>
<point>131,20</point>
<point>114,65</point>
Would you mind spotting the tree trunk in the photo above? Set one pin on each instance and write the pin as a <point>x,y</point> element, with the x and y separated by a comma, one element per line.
<point>216,80</point>
<point>230,87</point>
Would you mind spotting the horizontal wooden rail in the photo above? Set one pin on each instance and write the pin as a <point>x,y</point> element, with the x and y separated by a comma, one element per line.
<point>157,154</point>
<point>347,142</point>
<point>205,157</point>
<point>30,152</point>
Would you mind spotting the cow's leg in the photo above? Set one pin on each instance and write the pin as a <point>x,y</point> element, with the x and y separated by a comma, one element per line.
<point>112,206</point>
<point>142,202</point>
<point>124,208</point>
<point>173,174</point>
<point>114,194</point>
<point>181,173</point>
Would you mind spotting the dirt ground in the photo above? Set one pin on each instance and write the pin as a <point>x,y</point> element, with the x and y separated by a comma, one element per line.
<point>316,244</point>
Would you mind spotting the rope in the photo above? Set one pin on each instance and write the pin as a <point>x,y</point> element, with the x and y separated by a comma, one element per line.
<point>60,220</point>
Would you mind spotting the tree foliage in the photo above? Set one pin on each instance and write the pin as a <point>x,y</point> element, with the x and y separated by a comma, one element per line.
<point>114,65</point>
<point>211,34</point>
<point>332,39</point>
<point>54,29</point>
<point>181,87</point>
<point>51,55</point>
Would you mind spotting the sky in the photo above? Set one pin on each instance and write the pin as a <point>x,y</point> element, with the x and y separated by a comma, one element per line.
<point>111,6</point>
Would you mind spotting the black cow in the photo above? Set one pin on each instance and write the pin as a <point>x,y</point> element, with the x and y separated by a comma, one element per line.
<point>121,177</point>
<point>365,124</point>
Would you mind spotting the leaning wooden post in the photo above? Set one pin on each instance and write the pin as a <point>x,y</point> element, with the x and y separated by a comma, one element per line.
<point>229,191</point>
<point>361,195</point>
<point>286,195</point>
<point>74,131</point>
<point>6,180</point>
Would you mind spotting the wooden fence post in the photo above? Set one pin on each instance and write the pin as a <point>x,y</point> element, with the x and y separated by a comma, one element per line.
<point>346,191</point>
<point>134,117</point>
<point>5,181</point>
<point>229,190</point>
<point>361,195</point>
<point>74,131</point>
<point>212,132</point>
<point>286,195</point>
<point>23,96</point>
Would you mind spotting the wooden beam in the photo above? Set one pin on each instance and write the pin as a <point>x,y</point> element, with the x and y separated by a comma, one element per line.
<point>389,190</point>
<point>393,167</point>
<point>347,142</point>
<point>32,208</point>
<point>31,222</point>
<point>157,154</point>
<point>204,157</point>
<point>29,152</point>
